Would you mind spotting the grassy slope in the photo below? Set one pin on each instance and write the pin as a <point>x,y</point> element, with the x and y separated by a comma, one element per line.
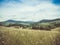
<point>11,36</point>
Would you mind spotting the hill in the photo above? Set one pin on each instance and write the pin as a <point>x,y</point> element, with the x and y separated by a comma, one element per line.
<point>51,20</point>
<point>8,22</point>
<point>43,24</point>
<point>46,24</point>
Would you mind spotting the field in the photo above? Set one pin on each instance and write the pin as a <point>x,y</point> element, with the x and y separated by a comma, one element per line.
<point>13,36</point>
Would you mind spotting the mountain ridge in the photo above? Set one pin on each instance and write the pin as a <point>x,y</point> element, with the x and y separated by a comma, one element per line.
<point>28,22</point>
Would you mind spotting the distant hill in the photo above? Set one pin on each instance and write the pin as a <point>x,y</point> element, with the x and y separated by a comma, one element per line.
<point>16,22</point>
<point>46,20</point>
<point>46,24</point>
<point>43,24</point>
<point>29,22</point>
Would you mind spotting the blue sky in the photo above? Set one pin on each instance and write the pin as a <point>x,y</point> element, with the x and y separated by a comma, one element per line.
<point>29,10</point>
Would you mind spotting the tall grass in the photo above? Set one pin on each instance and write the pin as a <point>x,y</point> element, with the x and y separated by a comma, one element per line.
<point>28,37</point>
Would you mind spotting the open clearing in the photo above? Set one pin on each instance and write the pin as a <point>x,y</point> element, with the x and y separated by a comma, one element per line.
<point>12,36</point>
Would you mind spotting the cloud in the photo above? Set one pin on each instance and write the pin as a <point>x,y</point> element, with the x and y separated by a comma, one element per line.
<point>30,12</point>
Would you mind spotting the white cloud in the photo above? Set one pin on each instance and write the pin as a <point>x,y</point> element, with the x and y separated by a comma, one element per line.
<point>44,10</point>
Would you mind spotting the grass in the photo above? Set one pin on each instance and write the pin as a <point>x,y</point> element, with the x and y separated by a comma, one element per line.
<point>12,36</point>
<point>56,29</point>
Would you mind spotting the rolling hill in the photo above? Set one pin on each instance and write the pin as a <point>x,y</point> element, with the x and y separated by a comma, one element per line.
<point>43,24</point>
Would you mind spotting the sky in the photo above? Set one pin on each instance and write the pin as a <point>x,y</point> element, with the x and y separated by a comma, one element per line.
<point>29,10</point>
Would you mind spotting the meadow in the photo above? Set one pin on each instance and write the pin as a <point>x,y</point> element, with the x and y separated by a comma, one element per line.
<point>13,36</point>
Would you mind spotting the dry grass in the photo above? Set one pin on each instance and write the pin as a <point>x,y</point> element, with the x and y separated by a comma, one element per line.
<point>12,36</point>
<point>56,29</point>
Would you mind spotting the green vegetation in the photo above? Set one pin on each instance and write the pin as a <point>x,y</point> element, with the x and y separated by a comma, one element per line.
<point>12,36</point>
<point>46,24</point>
<point>40,25</point>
